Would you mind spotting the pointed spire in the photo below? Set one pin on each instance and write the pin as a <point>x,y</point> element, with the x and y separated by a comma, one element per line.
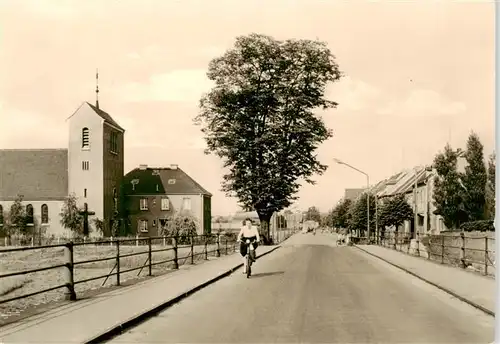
<point>97,88</point>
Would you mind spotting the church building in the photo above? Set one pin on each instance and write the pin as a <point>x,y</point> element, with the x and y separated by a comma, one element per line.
<point>91,168</point>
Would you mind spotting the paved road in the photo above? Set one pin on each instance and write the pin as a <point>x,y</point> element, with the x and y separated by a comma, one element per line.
<point>311,291</point>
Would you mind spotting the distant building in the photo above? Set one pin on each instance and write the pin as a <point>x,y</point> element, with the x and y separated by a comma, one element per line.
<point>152,195</point>
<point>353,194</point>
<point>91,168</point>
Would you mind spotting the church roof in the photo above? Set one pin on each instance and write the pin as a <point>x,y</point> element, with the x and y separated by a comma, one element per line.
<point>105,116</point>
<point>37,174</point>
<point>170,181</point>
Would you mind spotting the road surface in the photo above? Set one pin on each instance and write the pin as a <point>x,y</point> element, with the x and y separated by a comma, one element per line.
<point>314,292</point>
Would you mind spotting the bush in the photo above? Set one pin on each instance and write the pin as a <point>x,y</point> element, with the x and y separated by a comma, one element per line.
<point>480,226</point>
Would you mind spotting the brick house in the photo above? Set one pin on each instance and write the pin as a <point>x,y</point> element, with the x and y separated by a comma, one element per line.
<point>91,168</point>
<point>152,195</point>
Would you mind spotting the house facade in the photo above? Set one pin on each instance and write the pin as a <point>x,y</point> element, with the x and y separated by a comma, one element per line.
<point>152,196</point>
<point>417,185</point>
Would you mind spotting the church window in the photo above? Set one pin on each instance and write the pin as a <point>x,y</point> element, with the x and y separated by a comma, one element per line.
<point>1,215</point>
<point>85,165</point>
<point>45,213</point>
<point>85,193</point>
<point>85,138</point>
<point>29,214</point>
<point>113,144</point>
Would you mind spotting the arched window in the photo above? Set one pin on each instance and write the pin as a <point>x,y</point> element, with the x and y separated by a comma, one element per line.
<point>85,138</point>
<point>45,213</point>
<point>1,215</point>
<point>29,214</point>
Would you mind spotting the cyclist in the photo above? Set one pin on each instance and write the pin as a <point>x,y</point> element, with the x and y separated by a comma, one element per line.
<point>248,231</point>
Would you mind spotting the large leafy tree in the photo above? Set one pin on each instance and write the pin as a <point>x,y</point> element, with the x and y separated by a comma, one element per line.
<point>449,193</point>
<point>474,179</point>
<point>313,214</point>
<point>394,212</point>
<point>358,214</point>
<point>259,118</point>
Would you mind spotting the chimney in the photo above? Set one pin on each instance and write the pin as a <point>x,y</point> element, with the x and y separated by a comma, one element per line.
<point>174,166</point>
<point>143,167</point>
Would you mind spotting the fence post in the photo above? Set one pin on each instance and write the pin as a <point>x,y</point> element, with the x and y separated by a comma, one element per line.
<point>206,246</point>
<point>164,240</point>
<point>462,250</point>
<point>111,241</point>
<point>117,261</point>
<point>226,245</point>
<point>395,240</point>
<point>137,240</point>
<point>150,258</point>
<point>418,244</point>
<point>218,244</point>
<point>192,250</point>
<point>442,249</point>
<point>176,256</point>
<point>486,256</point>
<point>69,294</point>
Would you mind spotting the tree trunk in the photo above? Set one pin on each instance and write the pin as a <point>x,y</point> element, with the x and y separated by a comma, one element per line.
<point>265,232</point>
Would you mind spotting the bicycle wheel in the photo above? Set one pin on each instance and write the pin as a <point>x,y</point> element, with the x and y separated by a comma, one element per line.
<point>249,262</point>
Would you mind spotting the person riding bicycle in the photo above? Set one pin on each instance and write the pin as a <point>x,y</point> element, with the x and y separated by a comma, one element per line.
<point>248,231</point>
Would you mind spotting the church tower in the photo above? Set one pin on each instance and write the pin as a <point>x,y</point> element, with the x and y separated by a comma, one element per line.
<point>96,161</point>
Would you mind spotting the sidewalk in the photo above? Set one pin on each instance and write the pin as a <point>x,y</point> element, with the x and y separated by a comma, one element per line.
<point>86,321</point>
<point>474,289</point>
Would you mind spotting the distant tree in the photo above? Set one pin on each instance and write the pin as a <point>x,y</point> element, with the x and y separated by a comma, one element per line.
<point>70,215</point>
<point>259,118</point>
<point>449,195</point>
<point>490,188</point>
<point>394,212</point>
<point>341,213</point>
<point>17,218</point>
<point>313,214</point>
<point>474,179</point>
<point>358,214</point>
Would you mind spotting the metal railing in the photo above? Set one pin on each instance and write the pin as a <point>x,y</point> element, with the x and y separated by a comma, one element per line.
<point>183,249</point>
<point>458,249</point>
<point>211,244</point>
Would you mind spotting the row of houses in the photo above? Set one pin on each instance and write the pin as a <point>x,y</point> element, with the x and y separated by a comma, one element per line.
<point>92,169</point>
<point>417,184</point>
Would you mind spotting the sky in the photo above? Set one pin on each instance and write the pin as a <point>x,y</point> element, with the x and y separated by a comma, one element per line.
<point>417,75</point>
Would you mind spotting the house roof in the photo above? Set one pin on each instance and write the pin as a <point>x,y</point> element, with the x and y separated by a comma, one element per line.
<point>104,115</point>
<point>401,182</point>
<point>164,180</point>
<point>37,174</point>
<point>352,194</point>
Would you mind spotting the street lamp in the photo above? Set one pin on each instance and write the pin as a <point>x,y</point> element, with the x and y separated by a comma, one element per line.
<point>340,162</point>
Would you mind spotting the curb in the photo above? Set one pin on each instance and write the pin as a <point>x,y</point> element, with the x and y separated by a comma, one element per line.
<point>139,318</point>
<point>452,293</point>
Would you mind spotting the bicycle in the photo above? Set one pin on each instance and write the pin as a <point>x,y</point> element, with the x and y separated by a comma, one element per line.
<point>248,257</point>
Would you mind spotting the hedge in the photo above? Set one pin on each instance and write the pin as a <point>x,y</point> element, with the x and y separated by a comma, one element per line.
<point>480,226</point>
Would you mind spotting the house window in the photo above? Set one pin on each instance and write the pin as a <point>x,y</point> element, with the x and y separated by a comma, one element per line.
<point>85,193</point>
<point>85,138</point>
<point>29,214</point>
<point>154,223</point>
<point>165,204</point>
<point>45,213</point>
<point>85,165</point>
<point>186,203</point>
<point>171,181</point>
<point>143,226</point>
<point>1,215</point>
<point>144,204</point>
<point>113,145</point>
